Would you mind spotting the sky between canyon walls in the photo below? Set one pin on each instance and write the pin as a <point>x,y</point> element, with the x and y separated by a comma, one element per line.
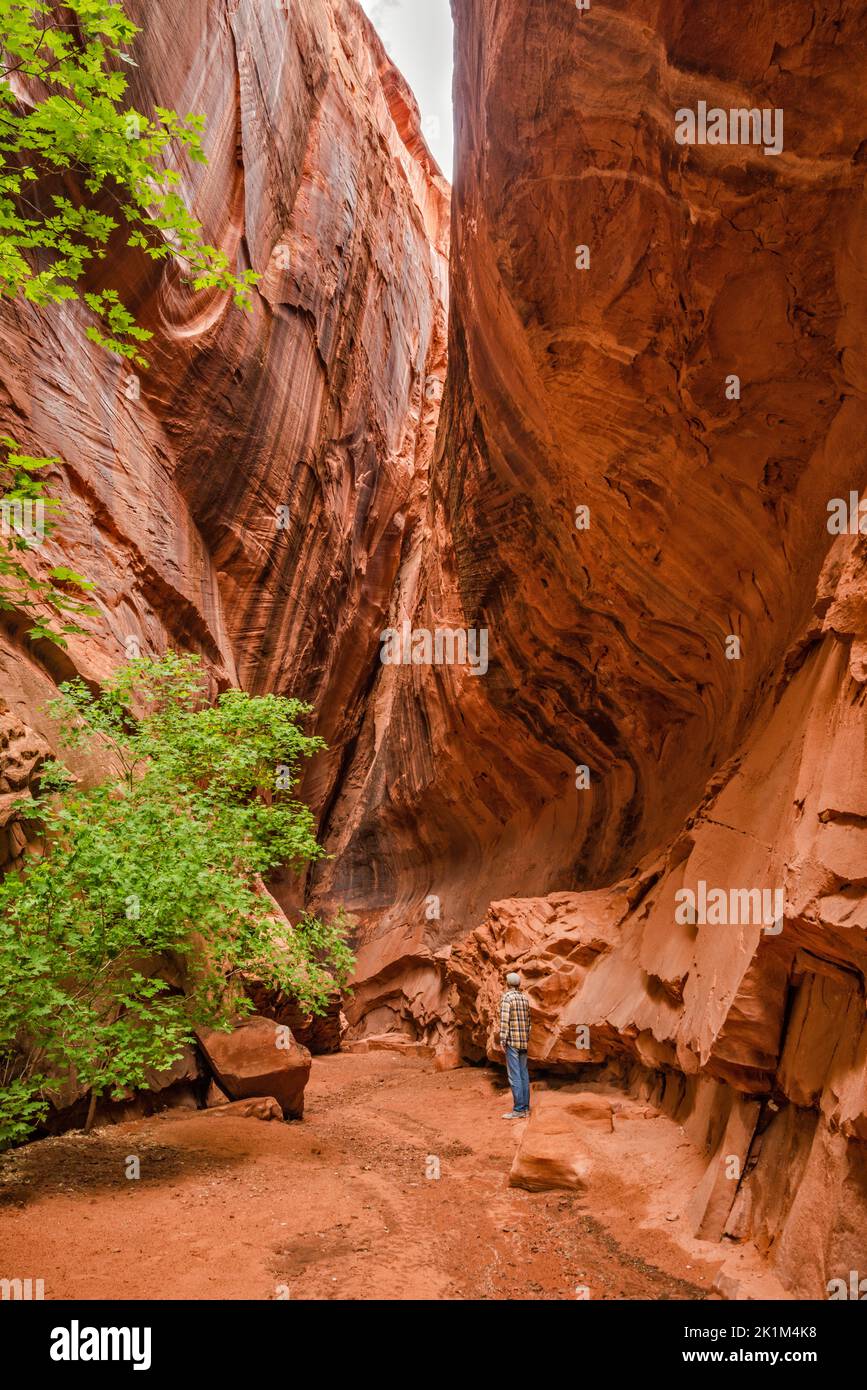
<point>417,35</point>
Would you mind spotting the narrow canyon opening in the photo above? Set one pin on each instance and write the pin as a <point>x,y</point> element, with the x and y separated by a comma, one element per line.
<point>541,492</point>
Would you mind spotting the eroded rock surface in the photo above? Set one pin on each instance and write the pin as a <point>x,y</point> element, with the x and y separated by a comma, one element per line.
<point>755,1029</point>
<point>22,752</point>
<point>251,495</point>
<point>697,643</point>
<point>606,388</point>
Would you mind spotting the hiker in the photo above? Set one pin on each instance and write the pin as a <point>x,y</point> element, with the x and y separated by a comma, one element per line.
<point>515,1038</point>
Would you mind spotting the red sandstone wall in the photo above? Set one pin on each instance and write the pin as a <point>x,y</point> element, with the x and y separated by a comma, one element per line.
<point>709,518</point>
<point>601,388</point>
<point>323,400</point>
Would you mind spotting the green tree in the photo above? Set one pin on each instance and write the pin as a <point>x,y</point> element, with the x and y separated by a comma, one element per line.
<point>64,116</point>
<point>78,164</point>
<point>145,908</point>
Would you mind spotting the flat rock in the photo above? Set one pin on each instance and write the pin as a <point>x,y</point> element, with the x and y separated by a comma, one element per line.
<point>551,1153</point>
<point>591,1111</point>
<point>390,1042</point>
<point>254,1108</point>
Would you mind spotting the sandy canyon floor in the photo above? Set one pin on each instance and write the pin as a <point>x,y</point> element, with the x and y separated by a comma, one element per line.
<point>340,1206</point>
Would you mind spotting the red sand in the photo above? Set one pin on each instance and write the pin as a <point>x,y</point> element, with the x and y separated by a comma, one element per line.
<point>339,1206</point>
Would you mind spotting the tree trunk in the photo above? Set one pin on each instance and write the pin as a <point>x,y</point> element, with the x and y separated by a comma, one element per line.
<point>91,1110</point>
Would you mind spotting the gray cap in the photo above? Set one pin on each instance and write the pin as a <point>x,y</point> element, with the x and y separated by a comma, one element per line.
<point>513,979</point>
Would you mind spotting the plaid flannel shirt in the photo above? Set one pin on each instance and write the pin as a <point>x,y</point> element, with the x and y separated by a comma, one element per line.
<point>515,1019</point>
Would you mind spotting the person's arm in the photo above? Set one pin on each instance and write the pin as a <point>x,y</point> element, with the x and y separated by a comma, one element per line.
<point>505,1008</point>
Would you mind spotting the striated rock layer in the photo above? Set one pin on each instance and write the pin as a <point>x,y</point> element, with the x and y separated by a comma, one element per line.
<point>250,496</point>
<point>697,641</point>
<point>606,388</point>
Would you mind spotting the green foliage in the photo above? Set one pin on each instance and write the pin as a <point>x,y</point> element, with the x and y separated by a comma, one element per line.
<point>28,517</point>
<point>154,881</point>
<point>63,111</point>
<point>65,125</point>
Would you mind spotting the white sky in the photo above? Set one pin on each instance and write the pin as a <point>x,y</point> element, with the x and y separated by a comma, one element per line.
<point>417,35</point>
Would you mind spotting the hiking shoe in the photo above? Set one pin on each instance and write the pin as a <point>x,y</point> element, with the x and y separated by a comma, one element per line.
<point>516,1115</point>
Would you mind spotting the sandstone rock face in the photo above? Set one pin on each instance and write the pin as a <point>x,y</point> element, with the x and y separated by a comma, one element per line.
<point>259,1058</point>
<point>400,1043</point>
<point>606,389</point>
<point>318,1032</point>
<point>252,495</point>
<point>656,382</point>
<point>763,1020</point>
<point>553,942</point>
<point>647,540</point>
<point>22,752</point>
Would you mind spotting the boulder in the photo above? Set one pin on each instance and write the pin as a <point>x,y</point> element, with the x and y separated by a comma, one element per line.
<point>185,1068</point>
<point>551,1154</point>
<point>259,1058</point>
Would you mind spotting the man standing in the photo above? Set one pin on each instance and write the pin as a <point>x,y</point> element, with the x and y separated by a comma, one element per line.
<point>515,1037</point>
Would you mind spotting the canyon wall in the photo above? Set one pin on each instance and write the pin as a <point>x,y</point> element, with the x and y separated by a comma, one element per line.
<point>676,643</point>
<point>249,497</point>
<point>695,639</point>
<point>644,646</point>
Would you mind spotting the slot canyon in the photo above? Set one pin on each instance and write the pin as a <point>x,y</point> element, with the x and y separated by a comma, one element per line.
<point>441,416</point>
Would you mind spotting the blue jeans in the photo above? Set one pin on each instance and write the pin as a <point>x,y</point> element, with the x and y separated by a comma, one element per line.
<point>519,1078</point>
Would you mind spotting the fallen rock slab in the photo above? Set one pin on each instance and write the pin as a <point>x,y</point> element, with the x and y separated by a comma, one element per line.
<point>256,1108</point>
<point>259,1058</point>
<point>185,1068</point>
<point>714,1197</point>
<point>390,1042</point>
<point>551,1154</point>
